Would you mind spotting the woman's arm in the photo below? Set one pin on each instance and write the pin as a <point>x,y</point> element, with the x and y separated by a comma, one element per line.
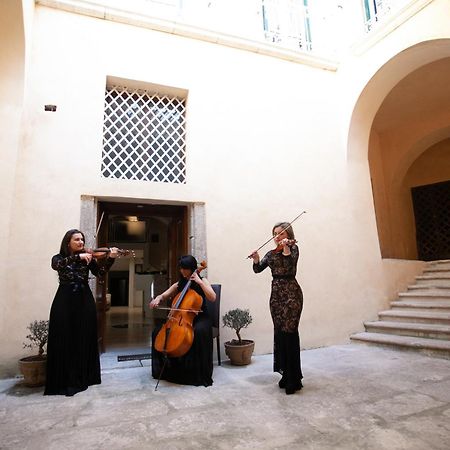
<point>101,269</point>
<point>293,254</point>
<point>206,287</point>
<point>166,295</point>
<point>259,266</point>
<point>59,261</point>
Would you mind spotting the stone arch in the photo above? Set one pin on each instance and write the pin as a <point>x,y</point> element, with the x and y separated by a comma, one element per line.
<point>380,84</point>
<point>419,148</point>
<point>367,144</point>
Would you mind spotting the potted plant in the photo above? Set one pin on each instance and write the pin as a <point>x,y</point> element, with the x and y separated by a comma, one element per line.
<point>33,368</point>
<point>238,350</point>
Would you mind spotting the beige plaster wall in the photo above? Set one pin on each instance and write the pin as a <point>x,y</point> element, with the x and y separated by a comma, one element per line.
<point>433,166</point>
<point>12,69</point>
<point>266,139</point>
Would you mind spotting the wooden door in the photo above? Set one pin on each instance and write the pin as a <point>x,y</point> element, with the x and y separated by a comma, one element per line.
<point>432,215</point>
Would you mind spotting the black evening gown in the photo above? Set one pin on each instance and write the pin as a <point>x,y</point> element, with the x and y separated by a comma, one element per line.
<point>286,304</point>
<point>73,361</point>
<point>195,368</point>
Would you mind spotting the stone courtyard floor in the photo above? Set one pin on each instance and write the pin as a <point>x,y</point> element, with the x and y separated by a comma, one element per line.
<point>355,397</point>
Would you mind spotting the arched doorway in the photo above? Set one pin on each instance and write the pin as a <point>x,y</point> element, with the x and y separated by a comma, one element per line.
<point>401,119</point>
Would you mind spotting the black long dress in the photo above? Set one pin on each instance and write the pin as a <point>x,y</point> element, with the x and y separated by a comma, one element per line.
<point>73,361</point>
<point>195,368</point>
<point>286,304</point>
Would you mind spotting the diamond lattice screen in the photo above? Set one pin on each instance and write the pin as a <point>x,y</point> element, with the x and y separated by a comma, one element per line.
<point>432,215</point>
<point>143,136</point>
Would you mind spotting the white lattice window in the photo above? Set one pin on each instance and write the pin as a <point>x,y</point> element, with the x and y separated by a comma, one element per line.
<point>143,136</point>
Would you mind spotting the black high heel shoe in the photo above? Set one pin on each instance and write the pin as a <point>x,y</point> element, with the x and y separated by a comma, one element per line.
<point>293,389</point>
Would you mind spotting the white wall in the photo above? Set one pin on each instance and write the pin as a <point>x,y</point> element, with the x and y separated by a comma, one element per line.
<point>12,74</point>
<point>266,139</point>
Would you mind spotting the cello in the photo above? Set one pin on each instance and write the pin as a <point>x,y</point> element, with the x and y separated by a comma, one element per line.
<point>176,336</point>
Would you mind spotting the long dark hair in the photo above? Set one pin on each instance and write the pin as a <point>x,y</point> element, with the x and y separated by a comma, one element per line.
<point>64,249</point>
<point>190,263</point>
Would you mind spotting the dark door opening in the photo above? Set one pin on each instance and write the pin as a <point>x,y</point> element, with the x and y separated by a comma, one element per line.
<point>118,288</point>
<point>431,205</point>
<point>158,236</point>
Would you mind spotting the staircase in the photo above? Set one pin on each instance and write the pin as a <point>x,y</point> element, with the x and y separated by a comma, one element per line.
<point>420,318</point>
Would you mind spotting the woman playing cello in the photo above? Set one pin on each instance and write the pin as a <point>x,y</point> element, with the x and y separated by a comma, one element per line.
<point>196,366</point>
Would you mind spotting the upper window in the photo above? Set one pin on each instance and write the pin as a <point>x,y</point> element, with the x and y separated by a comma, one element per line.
<point>374,10</point>
<point>143,136</point>
<point>286,22</point>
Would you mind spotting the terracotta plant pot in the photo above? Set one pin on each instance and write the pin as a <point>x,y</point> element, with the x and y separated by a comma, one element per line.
<point>240,355</point>
<point>33,369</point>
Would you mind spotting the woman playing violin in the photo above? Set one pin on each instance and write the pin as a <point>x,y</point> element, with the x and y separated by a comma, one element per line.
<point>73,361</point>
<point>196,366</point>
<point>286,303</point>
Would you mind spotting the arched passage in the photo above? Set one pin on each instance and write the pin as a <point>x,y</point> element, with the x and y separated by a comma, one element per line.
<point>401,114</point>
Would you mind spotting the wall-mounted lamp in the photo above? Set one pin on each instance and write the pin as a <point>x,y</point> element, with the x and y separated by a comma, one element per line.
<point>51,108</point>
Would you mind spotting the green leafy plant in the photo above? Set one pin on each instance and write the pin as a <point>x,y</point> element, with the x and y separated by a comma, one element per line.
<point>237,319</point>
<point>38,335</point>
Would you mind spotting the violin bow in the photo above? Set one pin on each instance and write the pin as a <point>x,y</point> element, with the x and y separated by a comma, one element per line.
<point>273,237</point>
<point>99,225</point>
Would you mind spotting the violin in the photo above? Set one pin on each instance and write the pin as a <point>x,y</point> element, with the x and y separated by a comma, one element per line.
<point>273,237</point>
<point>103,252</point>
<point>289,243</point>
<point>176,336</point>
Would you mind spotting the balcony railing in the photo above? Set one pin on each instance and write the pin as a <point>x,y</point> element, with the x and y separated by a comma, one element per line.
<point>287,23</point>
<point>377,11</point>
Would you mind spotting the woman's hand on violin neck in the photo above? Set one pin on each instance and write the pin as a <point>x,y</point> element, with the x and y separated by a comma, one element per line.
<point>286,246</point>
<point>255,256</point>
<point>196,278</point>
<point>85,257</point>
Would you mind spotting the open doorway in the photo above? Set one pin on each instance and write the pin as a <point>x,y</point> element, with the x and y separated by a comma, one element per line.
<point>157,235</point>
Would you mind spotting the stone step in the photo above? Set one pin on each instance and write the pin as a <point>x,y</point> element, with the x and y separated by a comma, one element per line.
<point>434,347</point>
<point>436,271</point>
<point>417,316</point>
<point>428,289</point>
<point>440,305</point>
<point>426,330</point>
<point>434,280</point>
<point>441,264</point>
<point>420,318</point>
<point>425,296</point>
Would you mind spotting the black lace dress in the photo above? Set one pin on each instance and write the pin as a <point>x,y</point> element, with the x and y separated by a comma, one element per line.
<point>195,368</point>
<point>73,361</point>
<point>286,303</point>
